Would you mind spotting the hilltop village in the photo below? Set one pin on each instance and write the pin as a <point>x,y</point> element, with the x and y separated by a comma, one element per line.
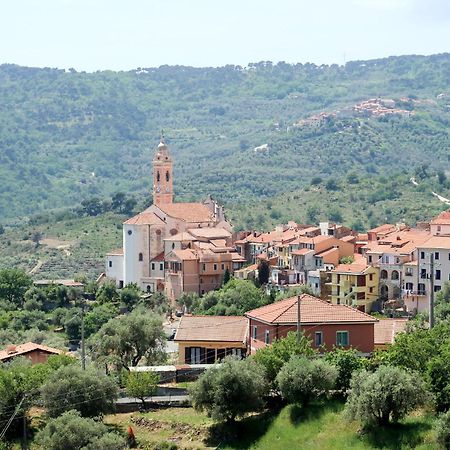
<point>178,248</point>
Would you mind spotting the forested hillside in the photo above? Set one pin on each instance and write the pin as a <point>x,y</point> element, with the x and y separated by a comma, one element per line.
<point>68,136</point>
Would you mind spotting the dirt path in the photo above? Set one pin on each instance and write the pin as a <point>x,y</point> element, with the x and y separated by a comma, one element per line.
<point>36,267</point>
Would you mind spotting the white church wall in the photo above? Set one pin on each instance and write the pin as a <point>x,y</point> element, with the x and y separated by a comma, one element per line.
<point>114,268</point>
<point>134,240</point>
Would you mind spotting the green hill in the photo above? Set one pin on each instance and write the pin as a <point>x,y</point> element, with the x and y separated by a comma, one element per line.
<point>68,136</point>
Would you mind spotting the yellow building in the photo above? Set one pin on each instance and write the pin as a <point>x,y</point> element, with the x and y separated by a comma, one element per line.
<point>355,284</point>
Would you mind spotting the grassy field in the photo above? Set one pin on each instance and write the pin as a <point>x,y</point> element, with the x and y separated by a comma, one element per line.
<point>320,427</point>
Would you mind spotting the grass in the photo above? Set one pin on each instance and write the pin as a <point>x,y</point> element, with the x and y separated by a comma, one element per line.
<point>319,427</point>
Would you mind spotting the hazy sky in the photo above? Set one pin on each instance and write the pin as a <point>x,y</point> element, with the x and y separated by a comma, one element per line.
<point>126,34</point>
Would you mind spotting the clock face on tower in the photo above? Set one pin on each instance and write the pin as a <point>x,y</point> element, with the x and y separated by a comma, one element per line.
<point>167,189</point>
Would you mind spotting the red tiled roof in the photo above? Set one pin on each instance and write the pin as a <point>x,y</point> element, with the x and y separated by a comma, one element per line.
<point>386,330</point>
<point>442,218</point>
<point>441,242</point>
<point>302,251</point>
<point>188,212</point>
<point>159,257</point>
<point>212,328</point>
<point>144,218</point>
<point>16,350</point>
<point>312,310</point>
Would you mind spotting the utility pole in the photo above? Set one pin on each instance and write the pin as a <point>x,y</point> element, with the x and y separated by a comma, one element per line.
<point>431,296</point>
<point>24,445</point>
<point>298,319</point>
<point>83,349</point>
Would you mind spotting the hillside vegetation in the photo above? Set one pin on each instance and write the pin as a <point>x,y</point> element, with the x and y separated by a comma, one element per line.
<point>68,136</point>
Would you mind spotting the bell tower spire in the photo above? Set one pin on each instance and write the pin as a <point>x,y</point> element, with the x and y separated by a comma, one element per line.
<point>162,174</point>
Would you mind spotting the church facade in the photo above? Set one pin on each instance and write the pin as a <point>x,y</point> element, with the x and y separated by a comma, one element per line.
<point>174,247</point>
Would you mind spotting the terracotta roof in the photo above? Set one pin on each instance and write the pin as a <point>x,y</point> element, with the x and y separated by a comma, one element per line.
<point>186,254</point>
<point>386,330</point>
<point>441,219</point>
<point>302,251</point>
<point>312,310</point>
<point>116,252</point>
<point>159,257</point>
<point>212,328</point>
<point>183,236</point>
<point>16,350</point>
<point>188,212</point>
<point>383,228</point>
<point>210,232</point>
<point>348,238</point>
<point>436,242</point>
<point>144,218</point>
<point>327,252</point>
<point>355,267</point>
<point>68,283</point>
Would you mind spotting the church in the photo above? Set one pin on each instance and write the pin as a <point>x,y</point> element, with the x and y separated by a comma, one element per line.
<point>174,247</point>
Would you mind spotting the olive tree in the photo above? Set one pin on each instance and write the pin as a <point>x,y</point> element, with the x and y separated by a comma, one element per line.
<point>386,395</point>
<point>442,429</point>
<point>88,391</point>
<point>301,379</point>
<point>142,384</point>
<point>70,431</point>
<point>230,390</point>
<point>126,340</point>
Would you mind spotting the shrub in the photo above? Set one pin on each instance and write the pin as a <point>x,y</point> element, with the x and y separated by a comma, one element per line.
<point>230,390</point>
<point>301,379</point>
<point>387,394</point>
<point>88,391</point>
<point>442,429</point>
<point>70,431</point>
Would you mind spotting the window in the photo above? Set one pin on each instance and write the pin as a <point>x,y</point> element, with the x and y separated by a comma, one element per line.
<point>153,266</point>
<point>422,255</point>
<point>408,272</point>
<point>437,288</point>
<point>204,267</point>
<point>141,257</point>
<point>369,258</point>
<point>318,338</point>
<point>161,266</point>
<point>167,176</point>
<point>438,275</point>
<point>158,176</point>
<point>436,255</point>
<point>383,274</point>
<point>129,232</point>
<point>421,289</point>
<point>149,288</point>
<point>342,338</point>
<point>255,331</point>
<point>409,286</point>
<point>195,355</point>
<point>109,263</point>
<point>267,337</point>
<point>423,273</point>
<point>371,277</point>
<point>173,245</point>
<point>371,290</point>
<point>223,266</point>
<point>215,266</point>
<point>394,275</point>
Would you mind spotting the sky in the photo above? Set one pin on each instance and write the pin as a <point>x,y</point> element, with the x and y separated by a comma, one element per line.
<point>95,35</point>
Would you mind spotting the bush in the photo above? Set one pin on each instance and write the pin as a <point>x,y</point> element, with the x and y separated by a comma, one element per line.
<point>347,362</point>
<point>230,390</point>
<point>387,394</point>
<point>301,379</point>
<point>70,431</point>
<point>442,429</point>
<point>273,357</point>
<point>88,391</point>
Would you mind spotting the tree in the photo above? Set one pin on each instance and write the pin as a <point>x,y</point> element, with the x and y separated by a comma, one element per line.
<point>387,394</point>
<point>437,375</point>
<point>347,362</point>
<point>13,285</point>
<point>92,206</point>
<point>230,390</point>
<point>442,429</point>
<point>263,272</point>
<point>142,384</point>
<point>70,431</point>
<point>301,380</point>
<point>36,237</point>
<point>273,357</point>
<point>126,340</point>
<point>88,391</point>
<point>107,293</point>
<point>226,276</point>
<point>98,316</point>
<point>188,300</point>
<point>130,295</point>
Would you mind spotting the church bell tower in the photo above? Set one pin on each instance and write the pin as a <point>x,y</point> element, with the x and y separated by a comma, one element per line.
<point>162,175</point>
